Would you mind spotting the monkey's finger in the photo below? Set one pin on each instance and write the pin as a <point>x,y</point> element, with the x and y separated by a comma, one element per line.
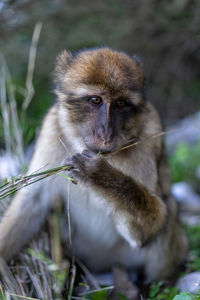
<point>75,162</point>
<point>71,178</point>
<point>75,174</point>
<point>69,168</point>
<point>74,181</point>
<point>68,162</point>
<point>88,153</point>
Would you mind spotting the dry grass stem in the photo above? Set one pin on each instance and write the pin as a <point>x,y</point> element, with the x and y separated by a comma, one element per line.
<point>8,278</point>
<point>4,106</point>
<point>68,213</point>
<point>12,185</point>
<point>31,65</point>
<point>91,279</point>
<point>23,297</point>
<point>12,130</point>
<point>55,233</point>
<point>73,276</point>
<point>143,141</point>
<point>97,290</point>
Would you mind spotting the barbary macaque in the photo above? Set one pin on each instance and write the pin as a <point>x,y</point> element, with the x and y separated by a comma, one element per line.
<point>121,210</point>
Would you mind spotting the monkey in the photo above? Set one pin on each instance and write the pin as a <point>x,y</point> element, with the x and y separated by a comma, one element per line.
<point>121,210</point>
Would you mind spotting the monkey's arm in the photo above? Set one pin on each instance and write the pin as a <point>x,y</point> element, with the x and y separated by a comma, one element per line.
<point>31,204</point>
<point>139,215</point>
<point>22,219</point>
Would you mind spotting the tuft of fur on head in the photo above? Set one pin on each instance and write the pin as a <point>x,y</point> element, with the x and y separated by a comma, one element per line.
<point>61,66</point>
<point>104,68</point>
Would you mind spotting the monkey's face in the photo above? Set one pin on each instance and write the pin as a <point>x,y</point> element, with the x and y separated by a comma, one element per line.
<point>102,93</point>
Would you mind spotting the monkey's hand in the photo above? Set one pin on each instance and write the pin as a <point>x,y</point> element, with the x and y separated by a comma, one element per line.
<point>139,214</point>
<point>85,166</point>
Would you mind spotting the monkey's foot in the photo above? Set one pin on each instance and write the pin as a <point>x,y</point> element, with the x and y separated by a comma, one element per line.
<point>123,285</point>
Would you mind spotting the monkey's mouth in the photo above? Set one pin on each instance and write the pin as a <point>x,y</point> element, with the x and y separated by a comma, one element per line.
<point>101,147</point>
<point>98,148</point>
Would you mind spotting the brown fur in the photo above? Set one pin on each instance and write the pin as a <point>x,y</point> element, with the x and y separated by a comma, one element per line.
<point>122,201</point>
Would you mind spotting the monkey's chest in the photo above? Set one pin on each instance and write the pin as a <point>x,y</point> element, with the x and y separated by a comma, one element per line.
<point>93,232</point>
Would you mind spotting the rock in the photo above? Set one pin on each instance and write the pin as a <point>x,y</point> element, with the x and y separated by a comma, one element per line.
<point>198,172</point>
<point>185,195</point>
<point>189,203</point>
<point>189,283</point>
<point>104,278</point>
<point>188,130</point>
<point>107,278</point>
<point>9,165</point>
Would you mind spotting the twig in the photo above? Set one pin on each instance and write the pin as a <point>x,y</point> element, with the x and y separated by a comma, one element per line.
<point>142,141</point>
<point>4,106</point>
<point>68,213</point>
<point>68,199</point>
<point>8,278</point>
<point>55,233</point>
<point>31,65</point>
<point>17,133</point>
<point>23,297</point>
<point>19,280</point>
<point>73,270</point>
<point>97,290</point>
<point>92,280</point>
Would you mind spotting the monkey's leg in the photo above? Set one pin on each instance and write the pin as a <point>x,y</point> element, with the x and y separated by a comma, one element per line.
<point>123,285</point>
<point>165,256</point>
<point>31,204</point>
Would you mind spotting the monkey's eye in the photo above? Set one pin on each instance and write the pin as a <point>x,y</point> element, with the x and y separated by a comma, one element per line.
<point>121,103</point>
<point>96,100</point>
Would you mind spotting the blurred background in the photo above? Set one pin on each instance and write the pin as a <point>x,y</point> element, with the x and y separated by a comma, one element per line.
<point>166,34</point>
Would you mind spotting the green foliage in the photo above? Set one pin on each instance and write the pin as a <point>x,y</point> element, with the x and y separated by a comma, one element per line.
<point>154,289</point>
<point>2,296</point>
<point>194,265</point>
<point>100,295</point>
<point>184,161</point>
<point>122,297</point>
<point>30,119</point>
<point>158,292</point>
<point>42,257</point>
<point>193,234</point>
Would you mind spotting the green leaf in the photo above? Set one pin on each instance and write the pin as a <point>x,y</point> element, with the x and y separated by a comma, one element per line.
<point>183,162</point>
<point>99,152</point>
<point>154,289</point>
<point>100,295</point>
<point>2,296</point>
<point>183,296</point>
<point>39,255</point>
<point>122,297</point>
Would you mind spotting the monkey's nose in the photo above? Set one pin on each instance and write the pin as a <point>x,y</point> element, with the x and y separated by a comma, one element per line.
<point>105,134</point>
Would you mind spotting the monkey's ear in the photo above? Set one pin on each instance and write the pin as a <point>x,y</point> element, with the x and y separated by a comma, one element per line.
<point>63,61</point>
<point>138,60</point>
